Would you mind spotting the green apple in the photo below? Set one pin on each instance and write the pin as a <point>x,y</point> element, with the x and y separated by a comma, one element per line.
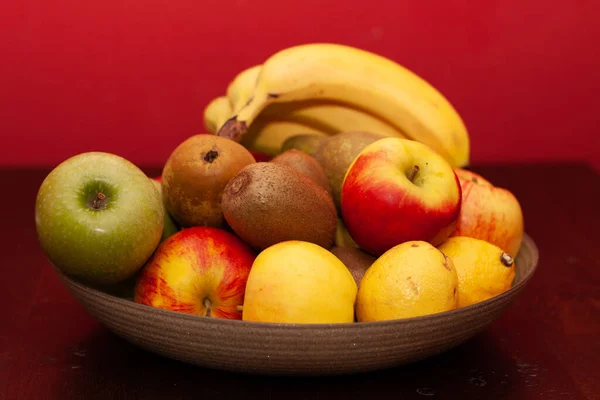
<point>170,225</point>
<point>98,217</point>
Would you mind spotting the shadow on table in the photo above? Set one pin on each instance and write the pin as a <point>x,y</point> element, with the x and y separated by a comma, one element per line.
<point>114,368</point>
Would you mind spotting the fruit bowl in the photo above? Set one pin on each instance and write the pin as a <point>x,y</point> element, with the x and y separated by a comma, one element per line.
<point>297,349</point>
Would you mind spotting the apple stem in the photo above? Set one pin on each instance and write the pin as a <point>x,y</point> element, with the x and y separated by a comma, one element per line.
<point>208,305</point>
<point>98,202</point>
<point>413,173</point>
<point>210,156</point>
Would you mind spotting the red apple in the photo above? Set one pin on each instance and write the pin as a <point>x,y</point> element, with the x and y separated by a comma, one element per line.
<point>199,270</point>
<point>397,190</point>
<point>489,213</point>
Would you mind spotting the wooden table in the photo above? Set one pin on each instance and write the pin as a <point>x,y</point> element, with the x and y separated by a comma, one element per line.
<point>542,347</point>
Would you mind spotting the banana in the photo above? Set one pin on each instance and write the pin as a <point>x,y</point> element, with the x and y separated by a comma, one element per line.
<point>331,117</point>
<point>216,113</point>
<point>267,135</point>
<point>364,81</point>
<point>287,119</point>
<point>240,89</point>
<point>282,120</point>
<point>238,92</point>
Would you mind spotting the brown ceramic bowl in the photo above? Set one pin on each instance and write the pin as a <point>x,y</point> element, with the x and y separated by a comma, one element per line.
<point>296,349</point>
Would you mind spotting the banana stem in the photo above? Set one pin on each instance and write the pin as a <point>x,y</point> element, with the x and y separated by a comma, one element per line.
<point>237,126</point>
<point>233,129</point>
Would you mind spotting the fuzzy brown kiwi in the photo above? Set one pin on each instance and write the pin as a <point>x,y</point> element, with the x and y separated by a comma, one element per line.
<point>304,164</point>
<point>356,260</point>
<point>337,152</point>
<point>267,203</point>
<point>195,175</point>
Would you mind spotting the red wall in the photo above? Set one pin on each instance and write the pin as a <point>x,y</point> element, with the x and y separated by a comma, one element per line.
<point>133,77</point>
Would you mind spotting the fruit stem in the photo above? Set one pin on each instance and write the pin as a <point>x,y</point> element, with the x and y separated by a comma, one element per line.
<point>233,129</point>
<point>207,304</point>
<point>413,173</point>
<point>506,259</point>
<point>239,308</point>
<point>99,201</point>
<point>210,156</point>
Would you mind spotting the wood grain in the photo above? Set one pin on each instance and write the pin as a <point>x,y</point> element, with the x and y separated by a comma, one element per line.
<point>541,347</point>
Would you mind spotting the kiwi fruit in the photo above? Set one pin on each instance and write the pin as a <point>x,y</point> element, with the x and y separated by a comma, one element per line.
<point>306,142</point>
<point>195,175</point>
<point>356,260</point>
<point>304,164</point>
<point>337,152</point>
<point>267,203</point>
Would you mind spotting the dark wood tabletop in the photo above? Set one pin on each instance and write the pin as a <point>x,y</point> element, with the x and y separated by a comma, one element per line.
<point>545,346</point>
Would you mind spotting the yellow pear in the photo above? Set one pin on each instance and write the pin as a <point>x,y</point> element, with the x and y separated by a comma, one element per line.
<point>409,280</point>
<point>484,269</point>
<point>299,282</point>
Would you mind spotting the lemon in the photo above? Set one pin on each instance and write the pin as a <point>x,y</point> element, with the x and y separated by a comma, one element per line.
<point>483,269</point>
<point>411,279</point>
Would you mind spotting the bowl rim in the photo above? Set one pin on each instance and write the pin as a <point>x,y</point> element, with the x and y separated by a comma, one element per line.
<point>311,326</point>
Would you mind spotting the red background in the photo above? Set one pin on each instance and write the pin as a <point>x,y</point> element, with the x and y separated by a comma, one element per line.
<point>133,77</point>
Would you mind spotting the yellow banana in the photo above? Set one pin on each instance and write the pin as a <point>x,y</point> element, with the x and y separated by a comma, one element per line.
<point>363,80</point>
<point>216,113</point>
<point>280,121</point>
<point>331,117</point>
<point>240,89</point>
<point>267,135</point>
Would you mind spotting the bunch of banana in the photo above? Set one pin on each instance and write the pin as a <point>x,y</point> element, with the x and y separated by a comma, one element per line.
<point>279,121</point>
<point>266,134</point>
<point>328,88</point>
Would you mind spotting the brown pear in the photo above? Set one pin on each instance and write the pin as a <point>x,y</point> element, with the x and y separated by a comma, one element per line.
<point>195,175</point>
